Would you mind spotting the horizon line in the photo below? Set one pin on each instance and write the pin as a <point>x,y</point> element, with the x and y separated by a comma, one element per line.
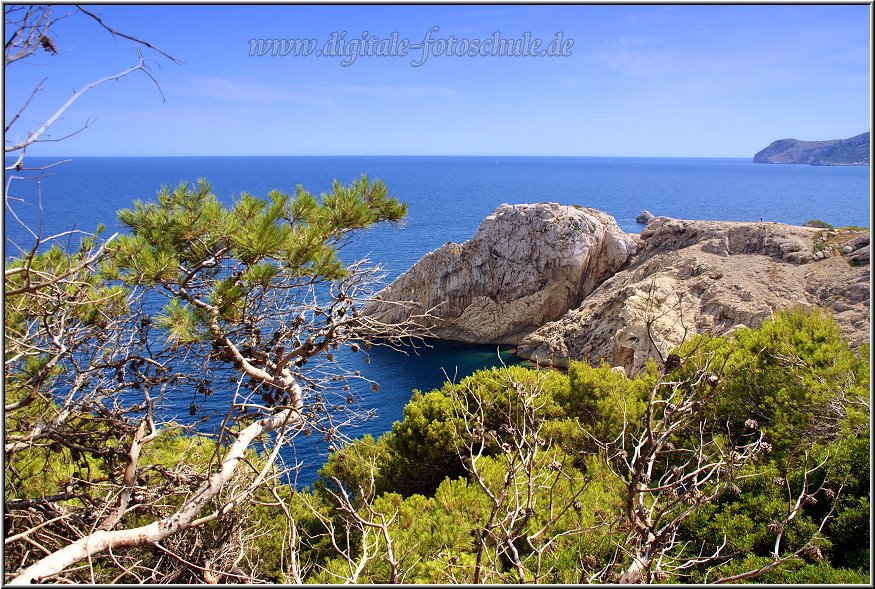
<point>404,155</point>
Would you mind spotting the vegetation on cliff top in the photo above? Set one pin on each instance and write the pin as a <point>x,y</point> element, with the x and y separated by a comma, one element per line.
<point>744,457</point>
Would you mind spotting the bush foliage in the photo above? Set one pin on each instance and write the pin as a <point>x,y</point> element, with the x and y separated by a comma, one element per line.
<point>795,377</point>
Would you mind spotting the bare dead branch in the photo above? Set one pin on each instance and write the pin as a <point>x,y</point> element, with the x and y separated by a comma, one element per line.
<point>35,135</point>
<point>116,33</point>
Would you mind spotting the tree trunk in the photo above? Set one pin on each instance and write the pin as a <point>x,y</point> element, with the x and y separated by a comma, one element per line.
<point>103,540</point>
<point>633,574</point>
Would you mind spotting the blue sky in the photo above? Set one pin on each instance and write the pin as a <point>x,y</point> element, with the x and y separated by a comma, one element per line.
<point>698,81</point>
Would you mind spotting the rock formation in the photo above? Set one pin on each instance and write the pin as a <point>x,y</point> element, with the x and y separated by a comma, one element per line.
<point>853,151</point>
<point>857,250</point>
<point>525,266</point>
<point>566,283</point>
<point>644,217</point>
<point>703,276</point>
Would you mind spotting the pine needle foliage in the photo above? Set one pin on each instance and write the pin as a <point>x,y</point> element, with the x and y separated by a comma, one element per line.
<point>213,260</point>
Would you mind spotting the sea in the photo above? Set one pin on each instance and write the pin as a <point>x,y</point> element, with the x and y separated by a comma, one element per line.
<point>448,197</point>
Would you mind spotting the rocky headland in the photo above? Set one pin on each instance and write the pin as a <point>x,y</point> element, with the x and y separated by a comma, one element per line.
<point>563,282</point>
<point>525,266</point>
<point>853,151</point>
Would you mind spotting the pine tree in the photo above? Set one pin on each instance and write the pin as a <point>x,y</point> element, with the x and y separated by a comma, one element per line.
<point>253,292</point>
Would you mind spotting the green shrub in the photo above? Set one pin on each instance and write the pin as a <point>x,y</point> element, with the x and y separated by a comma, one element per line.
<point>818,224</point>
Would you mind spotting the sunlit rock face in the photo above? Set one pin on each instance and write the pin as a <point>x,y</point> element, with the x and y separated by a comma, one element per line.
<point>525,266</point>
<point>565,283</point>
<point>692,277</point>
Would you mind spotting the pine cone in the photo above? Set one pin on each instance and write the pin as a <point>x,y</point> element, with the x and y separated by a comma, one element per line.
<point>813,552</point>
<point>672,361</point>
<point>49,45</point>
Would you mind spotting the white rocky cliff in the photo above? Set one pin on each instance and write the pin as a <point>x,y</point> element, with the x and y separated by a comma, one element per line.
<point>525,266</point>
<point>694,277</point>
<point>565,283</point>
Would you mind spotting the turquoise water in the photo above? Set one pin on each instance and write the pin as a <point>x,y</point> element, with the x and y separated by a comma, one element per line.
<point>447,197</point>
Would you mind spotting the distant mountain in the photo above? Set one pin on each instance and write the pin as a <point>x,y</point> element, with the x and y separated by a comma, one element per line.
<point>853,151</point>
